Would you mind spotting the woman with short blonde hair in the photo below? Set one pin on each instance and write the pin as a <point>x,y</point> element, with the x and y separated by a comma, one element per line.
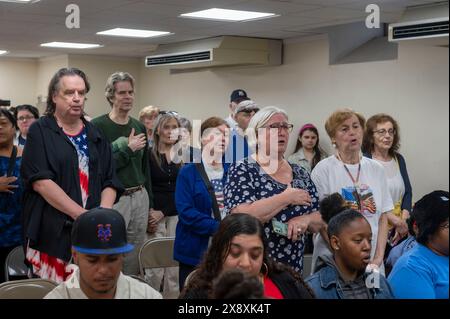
<point>360,181</point>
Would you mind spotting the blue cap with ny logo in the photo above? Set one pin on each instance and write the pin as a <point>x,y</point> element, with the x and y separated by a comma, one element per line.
<point>100,231</point>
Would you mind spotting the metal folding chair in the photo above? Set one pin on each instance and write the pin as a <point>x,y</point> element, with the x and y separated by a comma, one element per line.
<point>156,253</point>
<point>35,288</point>
<point>15,264</point>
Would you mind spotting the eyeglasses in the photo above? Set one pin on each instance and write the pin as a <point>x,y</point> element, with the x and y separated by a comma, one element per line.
<point>169,112</point>
<point>282,126</point>
<point>249,111</point>
<point>25,118</point>
<point>383,132</point>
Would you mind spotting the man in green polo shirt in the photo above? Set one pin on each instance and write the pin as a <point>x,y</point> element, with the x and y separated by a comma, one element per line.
<point>129,144</point>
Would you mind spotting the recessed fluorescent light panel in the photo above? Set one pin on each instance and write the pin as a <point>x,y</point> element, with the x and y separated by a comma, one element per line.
<point>2,52</point>
<point>133,33</point>
<point>68,45</point>
<point>227,15</point>
<point>20,1</point>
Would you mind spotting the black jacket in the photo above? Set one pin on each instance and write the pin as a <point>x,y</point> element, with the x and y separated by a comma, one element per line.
<point>49,154</point>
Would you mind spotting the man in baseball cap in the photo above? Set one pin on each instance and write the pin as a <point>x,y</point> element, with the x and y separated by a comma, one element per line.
<point>236,97</point>
<point>99,242</point>
<point>238,147</point>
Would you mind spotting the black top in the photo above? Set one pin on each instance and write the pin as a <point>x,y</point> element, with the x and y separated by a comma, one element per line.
<point>163,180</point>
<point>49,154</point>
<point>290,287</point>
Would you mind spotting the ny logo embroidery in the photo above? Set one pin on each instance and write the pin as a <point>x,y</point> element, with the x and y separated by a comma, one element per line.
<point>104,232</point>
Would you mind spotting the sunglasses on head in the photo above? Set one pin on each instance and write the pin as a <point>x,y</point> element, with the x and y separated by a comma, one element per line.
<point>169,112</point>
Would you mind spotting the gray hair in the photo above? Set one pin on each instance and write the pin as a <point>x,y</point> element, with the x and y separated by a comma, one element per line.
<point>110,89</point>
<point>259,120</point>
<point>55,86</point>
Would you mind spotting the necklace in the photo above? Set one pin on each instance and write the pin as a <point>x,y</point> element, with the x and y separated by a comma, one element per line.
<point>355,181</point>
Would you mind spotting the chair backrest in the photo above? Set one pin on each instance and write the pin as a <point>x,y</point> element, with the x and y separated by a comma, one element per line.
<point>35,288</point>
<point>15,264</point>
<point>157,253</point>
<point>189,277</point>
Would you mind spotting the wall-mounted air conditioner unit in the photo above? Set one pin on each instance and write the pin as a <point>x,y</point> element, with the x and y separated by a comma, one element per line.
<point>217,52</point>
<point>427,24</point>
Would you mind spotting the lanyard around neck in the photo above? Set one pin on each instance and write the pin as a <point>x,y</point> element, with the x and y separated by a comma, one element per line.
<point>354,181</point>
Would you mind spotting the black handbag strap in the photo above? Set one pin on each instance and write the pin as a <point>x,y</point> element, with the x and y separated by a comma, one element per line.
<point>215,206</point>
<point>12,162</point>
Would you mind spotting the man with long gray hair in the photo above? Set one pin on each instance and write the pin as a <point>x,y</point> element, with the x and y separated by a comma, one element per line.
<point>129,144</point>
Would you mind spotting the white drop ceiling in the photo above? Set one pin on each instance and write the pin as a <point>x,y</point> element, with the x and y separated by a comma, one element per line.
<point>23,27</point>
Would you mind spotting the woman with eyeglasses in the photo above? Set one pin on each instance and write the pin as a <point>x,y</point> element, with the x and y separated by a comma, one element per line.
<point>422,272</point>
<point>281,195</point>
<point>360,181</point>
<point>25,115</point>
<point>381,142</point>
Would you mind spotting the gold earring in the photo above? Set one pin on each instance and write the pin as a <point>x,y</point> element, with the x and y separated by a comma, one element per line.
<point>266,272</point>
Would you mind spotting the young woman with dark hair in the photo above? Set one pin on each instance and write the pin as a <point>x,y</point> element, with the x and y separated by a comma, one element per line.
<point>343,276</point>
<point>240,243</point>
<point>307,151</point>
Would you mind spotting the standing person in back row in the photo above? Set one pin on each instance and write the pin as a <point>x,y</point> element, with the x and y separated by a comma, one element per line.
<point>237,96</point>
<point>67,168</point>
<point>130,152</point>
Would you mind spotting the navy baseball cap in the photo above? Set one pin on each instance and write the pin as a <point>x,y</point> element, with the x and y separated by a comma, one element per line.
<point>238,96</point>
<point>100,231</point>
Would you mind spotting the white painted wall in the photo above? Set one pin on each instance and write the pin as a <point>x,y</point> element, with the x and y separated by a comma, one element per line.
<point>98,69</point>
<point>413,89</point>
<point>47,67</point>
<point>18,80</point>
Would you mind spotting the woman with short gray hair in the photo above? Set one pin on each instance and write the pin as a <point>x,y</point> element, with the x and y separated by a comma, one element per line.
<point>279,194</point>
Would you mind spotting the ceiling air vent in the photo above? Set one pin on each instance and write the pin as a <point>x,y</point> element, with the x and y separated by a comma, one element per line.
<point>420,30</point>
<point>223,51</point>
<point>179,58</point>
<point>423,24</point>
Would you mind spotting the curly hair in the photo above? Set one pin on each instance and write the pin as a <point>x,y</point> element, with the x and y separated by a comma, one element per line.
<point>371,125</point>
<point>332,205</point>
<point>236,284</point>
<point>340,116</point>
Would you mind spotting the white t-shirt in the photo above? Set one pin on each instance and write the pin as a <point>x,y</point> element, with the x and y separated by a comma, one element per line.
<point>127,288</point>
<point>394,179</point>
<point>330,176</point>
<point>215,175</point>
